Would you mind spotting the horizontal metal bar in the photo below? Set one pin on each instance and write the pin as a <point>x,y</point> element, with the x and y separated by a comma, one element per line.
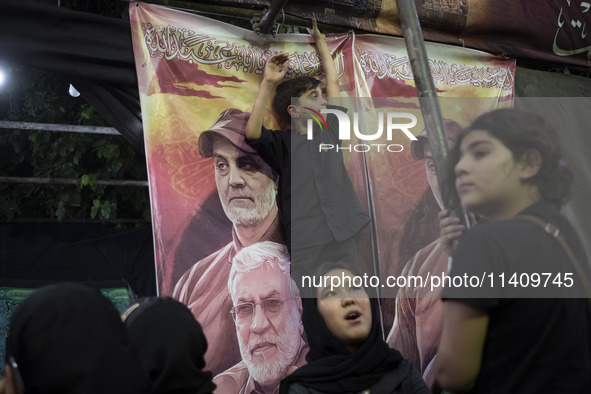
<point>5,124</point>
<point>78,221</point>
<point>70,181</point>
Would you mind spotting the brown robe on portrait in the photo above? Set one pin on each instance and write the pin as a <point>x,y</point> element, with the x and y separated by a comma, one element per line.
<point>419,311</point>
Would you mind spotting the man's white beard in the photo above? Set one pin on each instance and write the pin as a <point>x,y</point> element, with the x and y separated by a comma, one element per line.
<point>248,217</point>
<point>272,371</point>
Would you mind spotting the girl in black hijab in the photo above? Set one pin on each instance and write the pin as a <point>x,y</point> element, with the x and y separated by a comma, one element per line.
<point>347,350</point>
<point>170,344</point>
<point>69,339</point>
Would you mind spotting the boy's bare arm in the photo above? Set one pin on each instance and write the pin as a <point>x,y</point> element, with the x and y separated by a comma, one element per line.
<point>275,70</point>
<point>330,70</point>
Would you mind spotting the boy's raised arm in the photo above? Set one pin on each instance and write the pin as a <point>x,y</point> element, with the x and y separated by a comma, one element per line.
<point>330,70</point>
<point>275,70</point>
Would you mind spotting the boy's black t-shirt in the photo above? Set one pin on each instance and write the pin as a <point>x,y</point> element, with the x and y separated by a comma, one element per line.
<point>534,344</point>
<point>316,197</point>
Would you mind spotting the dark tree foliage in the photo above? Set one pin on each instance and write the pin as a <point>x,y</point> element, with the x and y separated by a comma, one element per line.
<point>35,96</point>
<point>113,8</point>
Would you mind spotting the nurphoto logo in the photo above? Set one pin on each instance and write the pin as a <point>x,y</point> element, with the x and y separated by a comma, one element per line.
<point>318,118</point>
<point>388,122</point>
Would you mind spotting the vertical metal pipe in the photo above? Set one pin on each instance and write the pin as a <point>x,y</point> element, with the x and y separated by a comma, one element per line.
<point>419,62</point>
<point>268,19</point>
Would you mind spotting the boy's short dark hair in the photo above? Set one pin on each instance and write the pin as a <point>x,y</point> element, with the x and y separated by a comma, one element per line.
<point>291,88</point>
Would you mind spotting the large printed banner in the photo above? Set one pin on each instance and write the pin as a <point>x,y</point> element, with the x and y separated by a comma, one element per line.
<point>215,216</point>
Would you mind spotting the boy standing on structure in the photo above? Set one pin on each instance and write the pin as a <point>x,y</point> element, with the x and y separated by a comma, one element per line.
<point>320,209</point>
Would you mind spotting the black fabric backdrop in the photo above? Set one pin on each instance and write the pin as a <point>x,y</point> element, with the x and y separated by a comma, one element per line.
<point>95,52</point>
<point>54,252</point>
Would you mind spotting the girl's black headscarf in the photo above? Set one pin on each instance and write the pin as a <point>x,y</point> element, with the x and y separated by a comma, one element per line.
<point>68,338</point>
<point>330,367</point>
<point>171,346</point>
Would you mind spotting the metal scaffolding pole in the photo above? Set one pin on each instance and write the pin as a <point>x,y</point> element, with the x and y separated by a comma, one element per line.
<point>5,124</point>
<point>419,62</point>
<point>71,181</point>
<point>268,19</point>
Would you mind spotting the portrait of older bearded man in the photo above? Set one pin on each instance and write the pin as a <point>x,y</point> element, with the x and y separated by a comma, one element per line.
<point>247,188</point>
<point>267,312</point>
